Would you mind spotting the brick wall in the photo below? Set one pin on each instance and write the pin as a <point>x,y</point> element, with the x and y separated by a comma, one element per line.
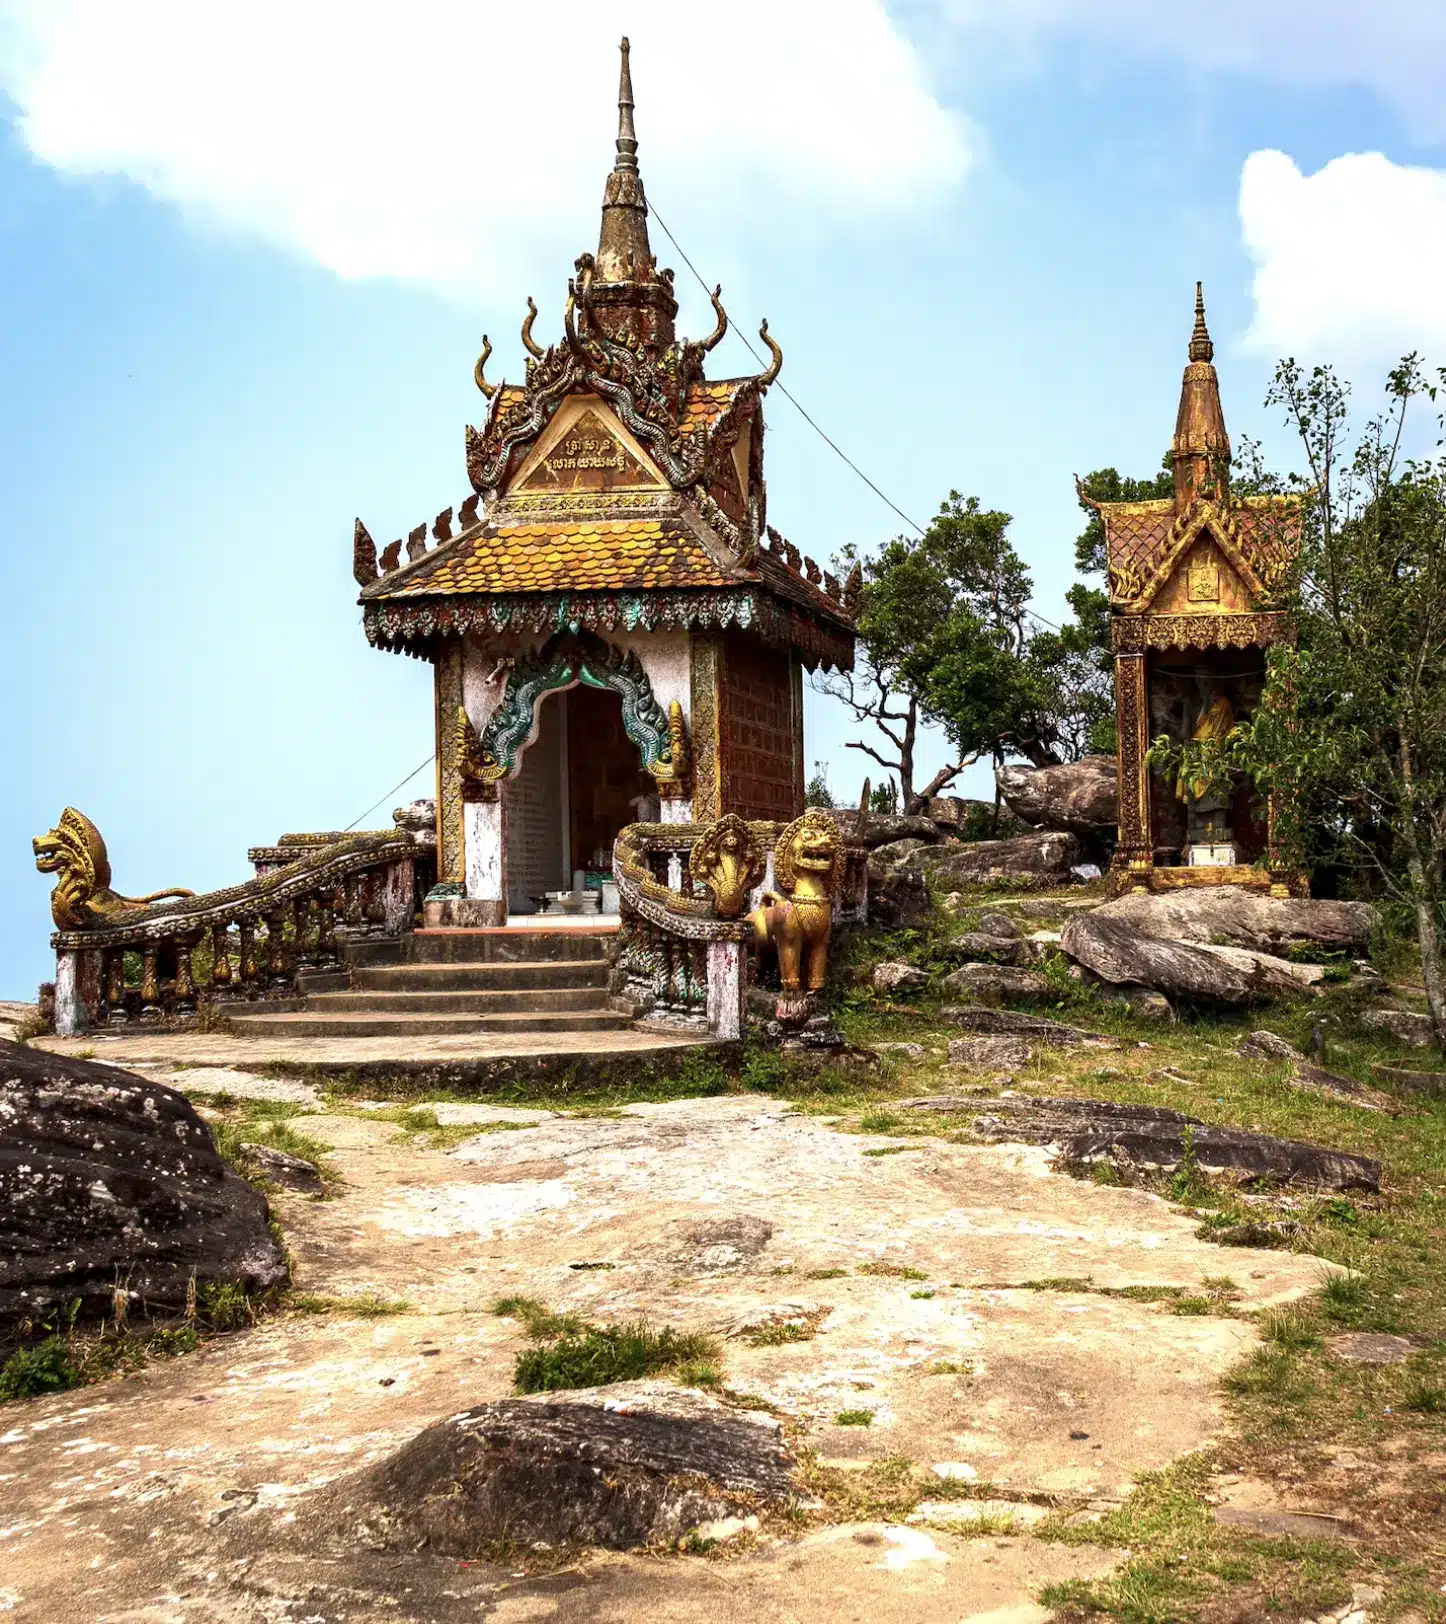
<point>761,731</point>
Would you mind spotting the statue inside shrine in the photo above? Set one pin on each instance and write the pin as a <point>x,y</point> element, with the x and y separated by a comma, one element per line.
<point>1208,836</point>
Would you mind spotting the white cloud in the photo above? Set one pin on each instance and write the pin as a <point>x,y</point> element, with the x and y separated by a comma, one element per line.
<point>1348,260</point>
<point>1395,49</point>
<point>459,144</point>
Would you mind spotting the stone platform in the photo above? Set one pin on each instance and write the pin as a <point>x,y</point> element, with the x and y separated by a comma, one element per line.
<point>285,1046</point>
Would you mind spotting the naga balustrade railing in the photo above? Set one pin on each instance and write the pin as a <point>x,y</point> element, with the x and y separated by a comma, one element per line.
<point>685,891</point>
<point>247,942</point>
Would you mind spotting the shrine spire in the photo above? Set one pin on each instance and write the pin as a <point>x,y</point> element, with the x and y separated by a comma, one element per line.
<point>624,253</point>
<point>1200,451</point>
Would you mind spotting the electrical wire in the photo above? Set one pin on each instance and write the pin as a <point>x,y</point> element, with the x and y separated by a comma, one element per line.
<point>431,756</point>
<point>801,409</point>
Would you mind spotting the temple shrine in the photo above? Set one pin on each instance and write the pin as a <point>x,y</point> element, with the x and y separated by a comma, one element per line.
<point>1196,581</point>
<point>617,634</point>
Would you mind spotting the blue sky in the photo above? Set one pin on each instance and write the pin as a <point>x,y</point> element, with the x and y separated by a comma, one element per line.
<point>244,280</point>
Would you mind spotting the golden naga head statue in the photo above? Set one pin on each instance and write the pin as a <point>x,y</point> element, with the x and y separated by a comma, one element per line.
<point>808,858</point>
<point>728,859</point>
<point>82,898</point>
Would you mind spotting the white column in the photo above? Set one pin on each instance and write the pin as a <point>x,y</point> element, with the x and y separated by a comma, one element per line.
<point>77,991</point>
<point>486,824</point>
<point>725,990</point>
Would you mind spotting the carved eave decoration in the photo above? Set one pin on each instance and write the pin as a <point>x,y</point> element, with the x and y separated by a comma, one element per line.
<point>417,625</point>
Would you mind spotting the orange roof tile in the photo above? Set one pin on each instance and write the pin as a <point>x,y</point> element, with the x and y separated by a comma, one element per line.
<point>573,555</point>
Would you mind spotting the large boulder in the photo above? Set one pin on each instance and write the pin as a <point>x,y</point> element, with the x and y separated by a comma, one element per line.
<point>107,1178</point>
<point>898,895</point>
<point>1160,1140</point>
<point>1027,860</point>
<point>1116,952</point>
<point>995,983</point>
<point>1080,796</point>
<point>637,1464</point>
<point>1238,918</point>
<point>884,828</point>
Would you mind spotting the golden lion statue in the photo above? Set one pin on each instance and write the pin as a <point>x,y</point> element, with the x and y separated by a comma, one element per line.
<point>82,898</point>
<point>807,863</point>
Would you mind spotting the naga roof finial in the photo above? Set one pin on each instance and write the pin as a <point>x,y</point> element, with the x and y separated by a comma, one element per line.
<point>627,136</point>
<point>1201,348</point>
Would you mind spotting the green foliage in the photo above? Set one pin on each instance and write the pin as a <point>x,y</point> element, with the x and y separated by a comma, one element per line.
<point>42,1367</point>
<point>854,1418</point>
<point>571,1352</point>
<point>1350,733</point>
<point>818,793</point>
<point>224,1305</point>
<point>884,798</point>
<point>602,1354</point>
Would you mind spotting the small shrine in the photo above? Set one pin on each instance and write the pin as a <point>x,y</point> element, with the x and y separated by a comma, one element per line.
<point>617,634</point>
<point>1195,584</point>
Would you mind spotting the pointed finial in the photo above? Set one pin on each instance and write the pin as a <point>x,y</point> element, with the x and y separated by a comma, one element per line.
<point>1201,349</point>
<point>627,135</point>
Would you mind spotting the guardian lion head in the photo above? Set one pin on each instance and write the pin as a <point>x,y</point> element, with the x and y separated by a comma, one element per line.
<point>809,848</point>
<point>75,851</point>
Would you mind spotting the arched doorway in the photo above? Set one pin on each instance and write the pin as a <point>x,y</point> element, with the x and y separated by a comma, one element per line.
<point>578,783</point>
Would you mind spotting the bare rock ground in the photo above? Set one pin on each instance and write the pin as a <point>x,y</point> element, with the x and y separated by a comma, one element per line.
<point>184,1492</point>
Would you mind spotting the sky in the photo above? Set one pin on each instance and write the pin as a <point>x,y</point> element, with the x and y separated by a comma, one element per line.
<point>248,252</point>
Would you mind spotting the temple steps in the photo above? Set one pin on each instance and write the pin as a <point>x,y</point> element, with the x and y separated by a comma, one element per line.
<point>309,1023</point>
<point>452,982</point>
<point>465,1001</point>
<point>525,974</point>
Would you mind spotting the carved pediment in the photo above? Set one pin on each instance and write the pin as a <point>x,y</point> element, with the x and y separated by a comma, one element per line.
<point>585,448</point>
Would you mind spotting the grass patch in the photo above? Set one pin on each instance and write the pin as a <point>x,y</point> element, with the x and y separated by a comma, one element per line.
<point>854,1418</point>
<point>825,1274</point>
<point>893,1271</point>
<point>365,1305</point>
<point>571,1352</point>
<point>602,1354</point>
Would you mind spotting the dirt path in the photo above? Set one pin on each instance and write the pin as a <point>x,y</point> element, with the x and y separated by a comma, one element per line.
<point>181,1493</point>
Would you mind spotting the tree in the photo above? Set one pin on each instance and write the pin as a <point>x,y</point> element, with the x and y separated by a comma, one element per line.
<point>1090,650</point>
<point>818,793</point>
<point>947,636</point>
<point>1350,734</point>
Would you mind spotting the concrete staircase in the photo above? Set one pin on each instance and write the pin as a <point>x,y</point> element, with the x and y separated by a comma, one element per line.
<point>430,983</point>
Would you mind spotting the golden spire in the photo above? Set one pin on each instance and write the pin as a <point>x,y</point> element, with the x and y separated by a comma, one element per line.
<point>1200,451</point>
<point>626,295</point>
<point>1201,349</point>
<point>623,251</point>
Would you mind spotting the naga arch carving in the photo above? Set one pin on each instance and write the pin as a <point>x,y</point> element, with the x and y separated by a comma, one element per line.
<point>486,759</point>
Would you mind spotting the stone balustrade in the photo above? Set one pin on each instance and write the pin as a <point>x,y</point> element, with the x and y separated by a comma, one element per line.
<point>249,941</point>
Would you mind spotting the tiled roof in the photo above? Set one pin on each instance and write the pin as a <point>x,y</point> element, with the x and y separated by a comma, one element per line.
<point>707,402</point>
<point>583,555</point>
<point>1136,535</point>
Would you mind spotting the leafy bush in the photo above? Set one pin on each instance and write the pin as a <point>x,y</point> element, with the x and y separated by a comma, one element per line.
<point>43,1367</point>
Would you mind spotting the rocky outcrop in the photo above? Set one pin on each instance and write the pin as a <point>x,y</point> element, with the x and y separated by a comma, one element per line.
<point>1317,1080</point>
<point>1155,1139</point>
<point>995,983</point>
<point>1011,1023</point>
<point>634,1465</point>
<point>989,1054</point>
<point>1115,951</point>
<point>895,976</point>
<point>1027,860</point>
<point>109,1178</point>
<point>1081,796</point>
<point>885,828</point>
<point>1405,1025</point>
<point>1016,950</point>
<point>898,895</point>
<point>1238,918</point>
<point>1263,1045</point>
